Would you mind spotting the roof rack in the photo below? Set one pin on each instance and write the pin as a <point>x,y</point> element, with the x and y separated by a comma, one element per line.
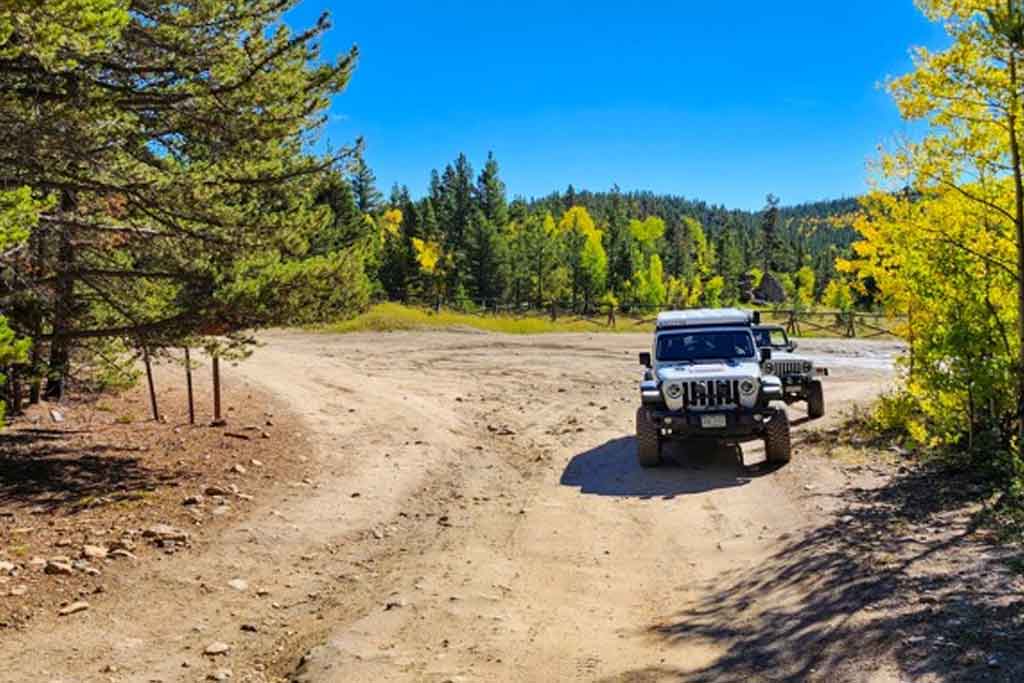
<point>707,317</point>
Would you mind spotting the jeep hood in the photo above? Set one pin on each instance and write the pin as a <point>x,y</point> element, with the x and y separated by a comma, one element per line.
<point>708,371</point>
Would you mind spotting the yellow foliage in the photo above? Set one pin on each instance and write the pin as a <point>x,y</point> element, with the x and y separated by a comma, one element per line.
<point>391,222</point>
<point>428,254</point>
<point>939,242</point>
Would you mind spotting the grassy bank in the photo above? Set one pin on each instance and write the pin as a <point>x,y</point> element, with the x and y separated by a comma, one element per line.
<point>391,317</point>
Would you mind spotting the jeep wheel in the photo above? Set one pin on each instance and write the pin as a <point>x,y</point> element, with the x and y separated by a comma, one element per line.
<point>648,441</point>
<point>777,447</point>
<point>815,399</point>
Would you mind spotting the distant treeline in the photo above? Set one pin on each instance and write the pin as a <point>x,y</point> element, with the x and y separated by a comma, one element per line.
<point>465,243</point>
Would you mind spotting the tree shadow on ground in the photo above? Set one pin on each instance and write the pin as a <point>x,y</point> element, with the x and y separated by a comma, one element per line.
<point>50,469</point>
<point>612,470</point>
<point>900,576</point>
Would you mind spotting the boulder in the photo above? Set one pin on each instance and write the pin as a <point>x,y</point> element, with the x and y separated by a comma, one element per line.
<point>94,552</point>
<point>165,532</point>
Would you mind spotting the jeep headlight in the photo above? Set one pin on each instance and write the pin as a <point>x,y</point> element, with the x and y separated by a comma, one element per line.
<point>807,366</point>
<point>768,367</point>
<point>747,387</point>
<point>673,390</point>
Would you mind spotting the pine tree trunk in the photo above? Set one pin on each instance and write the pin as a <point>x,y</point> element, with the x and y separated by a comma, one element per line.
<point>63,307</point>
<point>36,356</point>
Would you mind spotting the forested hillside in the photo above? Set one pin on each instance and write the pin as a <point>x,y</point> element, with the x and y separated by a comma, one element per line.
<point>465,243</point>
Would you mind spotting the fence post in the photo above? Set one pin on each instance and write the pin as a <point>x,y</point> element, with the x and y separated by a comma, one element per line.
<point>791,327</point>
<point>218,421</point>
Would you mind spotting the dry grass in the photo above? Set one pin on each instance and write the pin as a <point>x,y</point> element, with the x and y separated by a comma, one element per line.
<point>391,317</point>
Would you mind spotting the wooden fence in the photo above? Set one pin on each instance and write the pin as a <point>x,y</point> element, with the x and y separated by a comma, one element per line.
<point>851,324</point>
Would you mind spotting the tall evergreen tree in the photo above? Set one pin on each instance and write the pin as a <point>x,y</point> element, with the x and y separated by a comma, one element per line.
<point>346,226</point>
<point>455,207</point>
<point>486,259</point>
<point>398,272</point>
<point>619,245</point>
<point>769,235</point>
<point>731,265</point>
<point>490,193</point>
<point>364,183</point>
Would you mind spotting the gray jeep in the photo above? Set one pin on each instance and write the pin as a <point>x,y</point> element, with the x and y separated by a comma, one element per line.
<point>706,379</point>
<point>801,379</point>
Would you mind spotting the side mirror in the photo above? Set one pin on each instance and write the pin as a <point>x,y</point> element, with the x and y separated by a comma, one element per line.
<point>645,359</point>
<point>792,346</point>
<point>766,354</point>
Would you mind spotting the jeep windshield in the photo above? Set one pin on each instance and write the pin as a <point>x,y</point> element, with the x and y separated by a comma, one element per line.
<point>705,345</point>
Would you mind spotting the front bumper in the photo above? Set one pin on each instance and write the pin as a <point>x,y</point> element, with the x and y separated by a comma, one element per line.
<point>740,425</point>
<point>794,387</point>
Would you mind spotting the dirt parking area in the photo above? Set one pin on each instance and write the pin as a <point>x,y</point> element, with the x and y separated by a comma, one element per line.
<point>473,511</point>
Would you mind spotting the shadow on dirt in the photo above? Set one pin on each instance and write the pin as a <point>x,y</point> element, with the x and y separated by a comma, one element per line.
<point>47,470</point>
<point>900,574</point>
<point>612,470</point>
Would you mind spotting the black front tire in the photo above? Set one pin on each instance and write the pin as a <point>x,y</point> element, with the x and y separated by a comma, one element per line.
<point>648,441</point>
<point>778,448</point>
<point>815,399</point>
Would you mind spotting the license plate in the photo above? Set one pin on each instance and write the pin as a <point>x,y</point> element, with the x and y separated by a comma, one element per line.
<point>713,421</point>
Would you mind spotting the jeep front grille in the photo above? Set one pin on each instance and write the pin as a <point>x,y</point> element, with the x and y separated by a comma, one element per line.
<point>788,367</point>
<point>711,394</point>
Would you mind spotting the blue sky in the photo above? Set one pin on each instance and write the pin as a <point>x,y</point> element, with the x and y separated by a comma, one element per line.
<point>722,101</point>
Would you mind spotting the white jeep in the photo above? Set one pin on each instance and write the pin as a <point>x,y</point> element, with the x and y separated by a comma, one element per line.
<point>801,379</point>
<point>705,380</point>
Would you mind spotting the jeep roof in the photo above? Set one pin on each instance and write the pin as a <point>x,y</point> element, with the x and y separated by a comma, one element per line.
<point>705,317</point>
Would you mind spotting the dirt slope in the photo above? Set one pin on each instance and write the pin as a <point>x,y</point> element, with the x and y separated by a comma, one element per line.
<point>477,514</point>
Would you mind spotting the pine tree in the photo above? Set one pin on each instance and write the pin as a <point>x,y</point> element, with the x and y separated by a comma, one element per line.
<point>455,205</point>
<point>347,226</point>
<point>769,237</point>
<point>540,249</point>
<point>619,245</point>
<point>731,266</point>
<point>398,268</point>
<point>487,261</point>
<point>364,183</point>
<point>490,193</point>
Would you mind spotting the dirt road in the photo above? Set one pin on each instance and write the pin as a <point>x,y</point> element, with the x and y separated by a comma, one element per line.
<point>559,558</point>
<point>477,514</point>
